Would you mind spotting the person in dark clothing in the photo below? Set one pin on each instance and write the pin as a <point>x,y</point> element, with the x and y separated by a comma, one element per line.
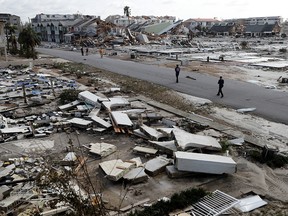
<point>87,50</point>
<point>177,72</point>
<point>82,51</point>
<point>220,84</point>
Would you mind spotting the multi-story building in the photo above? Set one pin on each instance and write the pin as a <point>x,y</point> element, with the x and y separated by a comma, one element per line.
<point>12,20</point>
<point>53,17</point>
<point>253,26</point>
<point>204,23</point>
<point>262,20</point>
<point>54,27</point>
<point>51,27</point>
<point>2,39</point>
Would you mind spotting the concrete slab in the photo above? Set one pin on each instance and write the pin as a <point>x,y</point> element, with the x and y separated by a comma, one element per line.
<point>137,132</point>
<point>94,112</point>
<point>116,169</point>
<point>99,121</point>
<point>102,149</point>
<point>168,147</point>
<point>121,119</point>
<point>152,133</point>
<point>172,172</point>
<point>69,105</point>
<point>136,175</point>
<point>145,150</point>
<point>89,98</point>
<point>79,122</point>
<point>237,141</point>
<point>115,102</point>
<point>166,131</point>
<point>185,140</point>
<point>156,165</point>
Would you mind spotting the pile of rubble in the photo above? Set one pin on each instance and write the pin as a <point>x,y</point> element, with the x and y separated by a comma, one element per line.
<point>96,113</point>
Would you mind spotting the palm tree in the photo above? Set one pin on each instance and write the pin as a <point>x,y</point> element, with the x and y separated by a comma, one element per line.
<point>9,31</point>
<point>127,12</point>
<point>28,39</point>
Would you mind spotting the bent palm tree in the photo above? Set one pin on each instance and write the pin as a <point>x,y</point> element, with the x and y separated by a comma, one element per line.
<point>28,39</point>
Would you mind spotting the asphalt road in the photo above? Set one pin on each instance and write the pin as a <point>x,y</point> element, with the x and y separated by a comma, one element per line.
<point>270,104</point>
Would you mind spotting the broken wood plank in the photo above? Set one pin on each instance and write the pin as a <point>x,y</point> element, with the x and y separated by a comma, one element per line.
<point>134,205</point>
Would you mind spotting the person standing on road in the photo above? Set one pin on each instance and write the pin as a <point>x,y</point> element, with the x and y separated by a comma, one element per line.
<point>221,85</point>
<point>82,51</point>
<point>87,50</point>
<point>101,51</point>
<point>177,72</point>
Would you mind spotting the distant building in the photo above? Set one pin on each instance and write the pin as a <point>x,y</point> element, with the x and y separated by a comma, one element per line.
<point>53,17</point>
<point>11,20</point>
<point>253,27</point>
<point>199,26</point>
<point>262,20</point>
<point>223,28</point>
<point>262,30</point>
<point>118,20</point>
<point>63,28</point>
<point>3,51</point>
<point>204,23</point>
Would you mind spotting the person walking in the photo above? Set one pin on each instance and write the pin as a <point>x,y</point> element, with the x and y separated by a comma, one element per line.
<point>87,50</point>
<point>82,51</point>
<point>177,72</point>
<point>101,51</point>
<point>221,85</point>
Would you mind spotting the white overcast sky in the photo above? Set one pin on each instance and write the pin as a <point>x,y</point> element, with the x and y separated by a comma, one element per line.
<point>181,9</point>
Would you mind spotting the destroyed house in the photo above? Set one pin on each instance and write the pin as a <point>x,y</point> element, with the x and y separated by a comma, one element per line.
<point>259,30</point>
<point>192,24</point>
<point>160,28</point>
<point>51,31</point>
<point>56,30</point>
<point>224,29</point>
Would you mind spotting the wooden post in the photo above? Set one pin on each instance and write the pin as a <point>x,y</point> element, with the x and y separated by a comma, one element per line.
<point>52,87</point>
<point>24,93</point>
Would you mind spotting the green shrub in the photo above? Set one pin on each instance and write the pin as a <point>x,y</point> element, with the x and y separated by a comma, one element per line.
<point>178,201</point>
<point>68,95</point>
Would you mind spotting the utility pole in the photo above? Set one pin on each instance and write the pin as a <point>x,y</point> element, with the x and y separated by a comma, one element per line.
<point>52,87</point>
<point>24,93</point>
